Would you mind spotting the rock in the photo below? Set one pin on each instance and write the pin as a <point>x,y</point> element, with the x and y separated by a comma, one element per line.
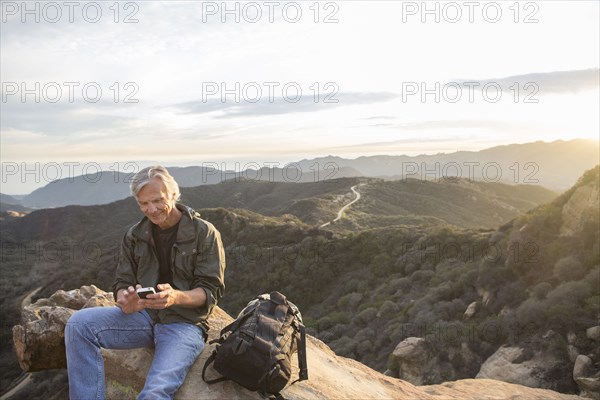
<point>39,340</point>
<point>470,311</point>
<point>593,333</point>
<point>421,363</point>
<point>500,365</point>
<point>413,357</point>
<point>489,389</point>
<point>330,376</point>
<point>73,299</point>
<point>513,364</point>
<point>583,367</point>
<point>590,387</point>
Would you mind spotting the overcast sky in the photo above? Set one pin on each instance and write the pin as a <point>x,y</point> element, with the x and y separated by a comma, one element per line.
<point>184,82</point>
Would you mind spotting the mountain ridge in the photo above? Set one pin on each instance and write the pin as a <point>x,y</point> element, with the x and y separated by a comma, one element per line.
<point>555,165</point>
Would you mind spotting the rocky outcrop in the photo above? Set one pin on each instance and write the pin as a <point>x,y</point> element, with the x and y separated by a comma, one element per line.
<point>413,357</point>
<point>582,204</point>
<point>590,386</point>
<point>37,340</point>
<point>420,362</point>
<point>586,371</point>
<point>526,367</point>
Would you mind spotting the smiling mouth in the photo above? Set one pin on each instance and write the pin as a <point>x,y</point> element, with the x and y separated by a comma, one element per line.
<point>156,216</point>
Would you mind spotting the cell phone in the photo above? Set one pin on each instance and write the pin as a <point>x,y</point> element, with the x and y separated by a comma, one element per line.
<point>145,291</point>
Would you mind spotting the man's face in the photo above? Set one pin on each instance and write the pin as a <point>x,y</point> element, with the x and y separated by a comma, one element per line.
<point>155,201</point>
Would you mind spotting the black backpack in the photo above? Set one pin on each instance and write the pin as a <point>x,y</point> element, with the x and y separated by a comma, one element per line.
<point>256,349</point>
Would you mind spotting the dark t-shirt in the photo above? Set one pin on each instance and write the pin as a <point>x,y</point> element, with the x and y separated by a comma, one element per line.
<point>164,239</point>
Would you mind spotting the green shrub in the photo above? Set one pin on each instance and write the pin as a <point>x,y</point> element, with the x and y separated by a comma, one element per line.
<point>540,290</point>
<point>365,316</point>
<point>569,269</point>
<point>388,309</point>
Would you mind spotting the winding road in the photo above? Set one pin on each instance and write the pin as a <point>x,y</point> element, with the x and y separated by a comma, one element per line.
<point>341,212</point>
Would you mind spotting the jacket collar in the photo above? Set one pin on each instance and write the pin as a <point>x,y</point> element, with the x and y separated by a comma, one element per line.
<point>186,232</point>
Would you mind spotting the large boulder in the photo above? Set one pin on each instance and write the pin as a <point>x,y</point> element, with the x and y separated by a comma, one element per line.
<point>330,376</point>
<point>586,379</point>
<point>40,339</point>
<point>525,367</point>
<point>413,357</point>
<point>583,366</point>
<point>593,333</point>
<point>420,362</point>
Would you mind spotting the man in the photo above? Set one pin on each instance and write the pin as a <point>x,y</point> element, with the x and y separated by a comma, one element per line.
<point>182,257</point>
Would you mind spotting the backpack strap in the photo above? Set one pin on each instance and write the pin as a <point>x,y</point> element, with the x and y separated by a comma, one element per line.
<point>209,361</point>
<point>302,364</point>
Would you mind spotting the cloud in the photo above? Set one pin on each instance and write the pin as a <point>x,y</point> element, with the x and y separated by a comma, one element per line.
<point>380,117</point>
<point>280,105</point>
<point>548,82</point>
<point>60,119</point>
<point>449,124</point>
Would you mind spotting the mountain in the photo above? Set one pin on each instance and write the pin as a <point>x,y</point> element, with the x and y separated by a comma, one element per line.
<point>101,188</point>
<point>5,198</point>
<point>555,165</point>
<point>108,186</point>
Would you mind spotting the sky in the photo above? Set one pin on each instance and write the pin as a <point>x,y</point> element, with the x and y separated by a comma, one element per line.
<point>185,82</point>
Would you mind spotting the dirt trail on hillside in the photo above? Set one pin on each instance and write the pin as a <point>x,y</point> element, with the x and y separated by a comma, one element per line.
<point>341,212</point>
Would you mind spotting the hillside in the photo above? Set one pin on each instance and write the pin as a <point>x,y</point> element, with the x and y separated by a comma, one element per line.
<point>311,202</point>
<point>463,203</point>
<point>366,291</point>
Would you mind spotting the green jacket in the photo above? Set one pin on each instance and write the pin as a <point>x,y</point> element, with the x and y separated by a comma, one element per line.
<point>198,261</point>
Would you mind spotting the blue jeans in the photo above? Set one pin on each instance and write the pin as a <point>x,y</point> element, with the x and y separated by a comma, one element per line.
<point>176,346</point>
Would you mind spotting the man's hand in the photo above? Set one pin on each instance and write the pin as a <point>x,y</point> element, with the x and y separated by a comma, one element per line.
<point>129,301</point>
<point>163,299</point>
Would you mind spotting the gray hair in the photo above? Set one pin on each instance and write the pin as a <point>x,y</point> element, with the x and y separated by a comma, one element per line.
<point>145,175</point>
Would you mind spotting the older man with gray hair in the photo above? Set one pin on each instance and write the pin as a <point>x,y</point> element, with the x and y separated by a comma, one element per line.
<point>181,257</point>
